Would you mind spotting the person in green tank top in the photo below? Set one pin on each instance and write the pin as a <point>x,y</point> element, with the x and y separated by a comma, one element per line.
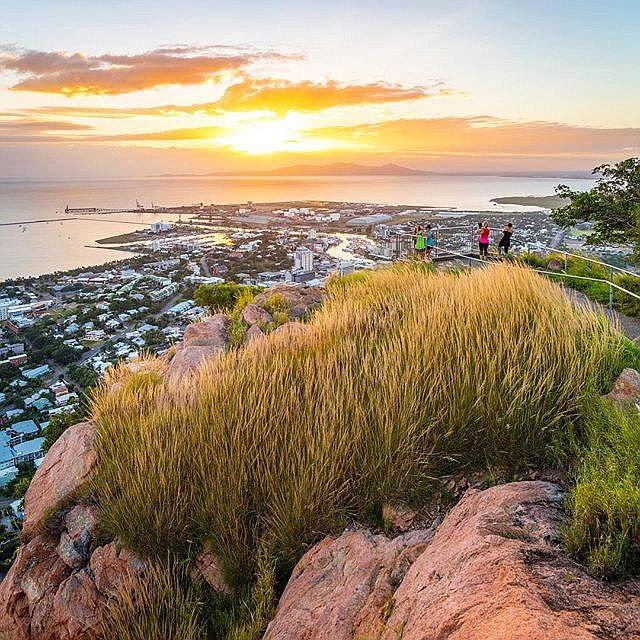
<point>419,243</point>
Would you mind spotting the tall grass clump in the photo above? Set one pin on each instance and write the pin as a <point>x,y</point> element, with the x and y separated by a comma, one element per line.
<point>161,604</point>
<point>403,374</point>
<point>604,529</point>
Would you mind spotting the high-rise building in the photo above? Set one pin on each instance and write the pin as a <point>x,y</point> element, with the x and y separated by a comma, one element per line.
<point>303,260</point>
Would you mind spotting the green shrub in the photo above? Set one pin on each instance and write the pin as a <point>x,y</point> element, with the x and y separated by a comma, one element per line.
<point>276,303</point>
<point>604,529</point>
<point>221,296</point>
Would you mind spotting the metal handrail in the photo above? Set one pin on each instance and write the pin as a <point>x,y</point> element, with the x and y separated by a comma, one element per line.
<point>564,252</point>
<point>557,274</point>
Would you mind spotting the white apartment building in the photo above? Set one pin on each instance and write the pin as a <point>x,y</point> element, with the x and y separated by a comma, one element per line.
<point>303,260</point>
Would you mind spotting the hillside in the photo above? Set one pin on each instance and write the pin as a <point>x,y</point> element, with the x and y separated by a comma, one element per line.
<point>296,462</point>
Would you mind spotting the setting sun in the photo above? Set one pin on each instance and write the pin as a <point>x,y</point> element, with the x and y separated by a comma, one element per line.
<point>271,136</point>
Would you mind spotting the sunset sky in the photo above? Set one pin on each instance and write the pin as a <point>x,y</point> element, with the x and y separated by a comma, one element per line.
<point>136,88</point>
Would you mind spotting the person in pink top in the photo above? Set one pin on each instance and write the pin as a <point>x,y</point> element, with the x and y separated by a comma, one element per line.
<point>483,240</point>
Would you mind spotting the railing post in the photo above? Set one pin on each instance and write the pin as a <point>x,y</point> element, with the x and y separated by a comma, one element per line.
<point>565,262</point>
<point>610,290</point>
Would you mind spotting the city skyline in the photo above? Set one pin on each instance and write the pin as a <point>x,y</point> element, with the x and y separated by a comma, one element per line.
<point>468,85</point>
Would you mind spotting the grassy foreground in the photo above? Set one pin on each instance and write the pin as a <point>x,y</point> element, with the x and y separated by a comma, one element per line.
<point>402,375</point>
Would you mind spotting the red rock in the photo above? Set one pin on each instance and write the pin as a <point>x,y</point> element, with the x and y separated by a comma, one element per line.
<point>254,315</point>
<point>113,568</point>
<point>291,329</point>
<point>341,582</point>
<point>626,388</point>
<point>211,332</point>
<point>72,555</point>
<point>188,360</point>
<point>253,333</point>
<point>30,587</point>
<point>82,522</point>
<point>299,311</point>
<point>66,469</point>
<point>207,566</point>
<point>494,570</point>
<point>398,517</point>
<point>41,598</point>
<point>290,294</point>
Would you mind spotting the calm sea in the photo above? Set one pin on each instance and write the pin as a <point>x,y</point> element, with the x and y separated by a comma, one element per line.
<point>40,248</point>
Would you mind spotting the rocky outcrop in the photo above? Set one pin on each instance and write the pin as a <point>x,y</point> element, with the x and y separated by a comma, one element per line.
<point>626,389</point>
<point>43,598</point>
<point>209,568</point>
<point>493,570</point>
<point>64,575</point>
<point>253,333</point>
<point>252,314</point>
<point>291,329</point>
<point>64,472</point>
<point>201,341</point>
<point>299,301</point>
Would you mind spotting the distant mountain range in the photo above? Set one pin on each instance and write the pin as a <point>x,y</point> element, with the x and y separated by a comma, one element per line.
<point>333,169</point>
<point>353,169</point>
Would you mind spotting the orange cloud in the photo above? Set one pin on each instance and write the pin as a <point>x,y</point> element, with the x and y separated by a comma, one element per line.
<point>73,74</point>
<point>14,130</point>
<point>280,96</point>
<point>482,135</point>
<point>195,133</point>
<point>275,95</point>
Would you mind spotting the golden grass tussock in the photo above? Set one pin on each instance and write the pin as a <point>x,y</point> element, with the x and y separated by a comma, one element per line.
<point>401,375</point>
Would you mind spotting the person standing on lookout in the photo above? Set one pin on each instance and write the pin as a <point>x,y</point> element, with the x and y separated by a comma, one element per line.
<point>505,241</point>
<point>430,240</point>
<point>419,242</point>
<point>483,240</point>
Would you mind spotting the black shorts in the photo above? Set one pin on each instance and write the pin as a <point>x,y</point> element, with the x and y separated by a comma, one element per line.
<point>484,248</point>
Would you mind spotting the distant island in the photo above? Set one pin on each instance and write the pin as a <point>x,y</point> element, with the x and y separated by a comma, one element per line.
<point>547,202</point>
<point>332,169</point>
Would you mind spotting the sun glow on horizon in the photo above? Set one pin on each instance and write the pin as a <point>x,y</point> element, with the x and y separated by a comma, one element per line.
<point>263,137</point>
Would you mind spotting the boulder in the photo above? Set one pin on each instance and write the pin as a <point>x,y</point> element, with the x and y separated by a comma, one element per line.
<point>254,315</point>
<point>626,388</point>
<point>201,341</point>
<point>29,587</point>
<point>188,360</point>
<point>494,569</point>
<point>43,598</point>
<point>82,524</point>
<point>291,329</point>
<point>72,555</point>
<point>113,568</point>
<point>299,311</point>
<point>211,332</point>
<point>341,583</point>
<point>253,333</point>
<point>290,294</point>
<point>65,470</point>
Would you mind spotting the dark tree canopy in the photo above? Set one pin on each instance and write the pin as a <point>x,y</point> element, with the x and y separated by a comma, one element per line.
<point>613,205</point>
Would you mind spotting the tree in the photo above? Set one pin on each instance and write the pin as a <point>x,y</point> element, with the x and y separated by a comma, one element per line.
<point>58,424</point>
<point>613,205</point>
<point>221,296</point>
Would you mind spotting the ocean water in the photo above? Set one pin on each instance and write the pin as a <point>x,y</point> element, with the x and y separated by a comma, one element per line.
<point>34,249</point>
